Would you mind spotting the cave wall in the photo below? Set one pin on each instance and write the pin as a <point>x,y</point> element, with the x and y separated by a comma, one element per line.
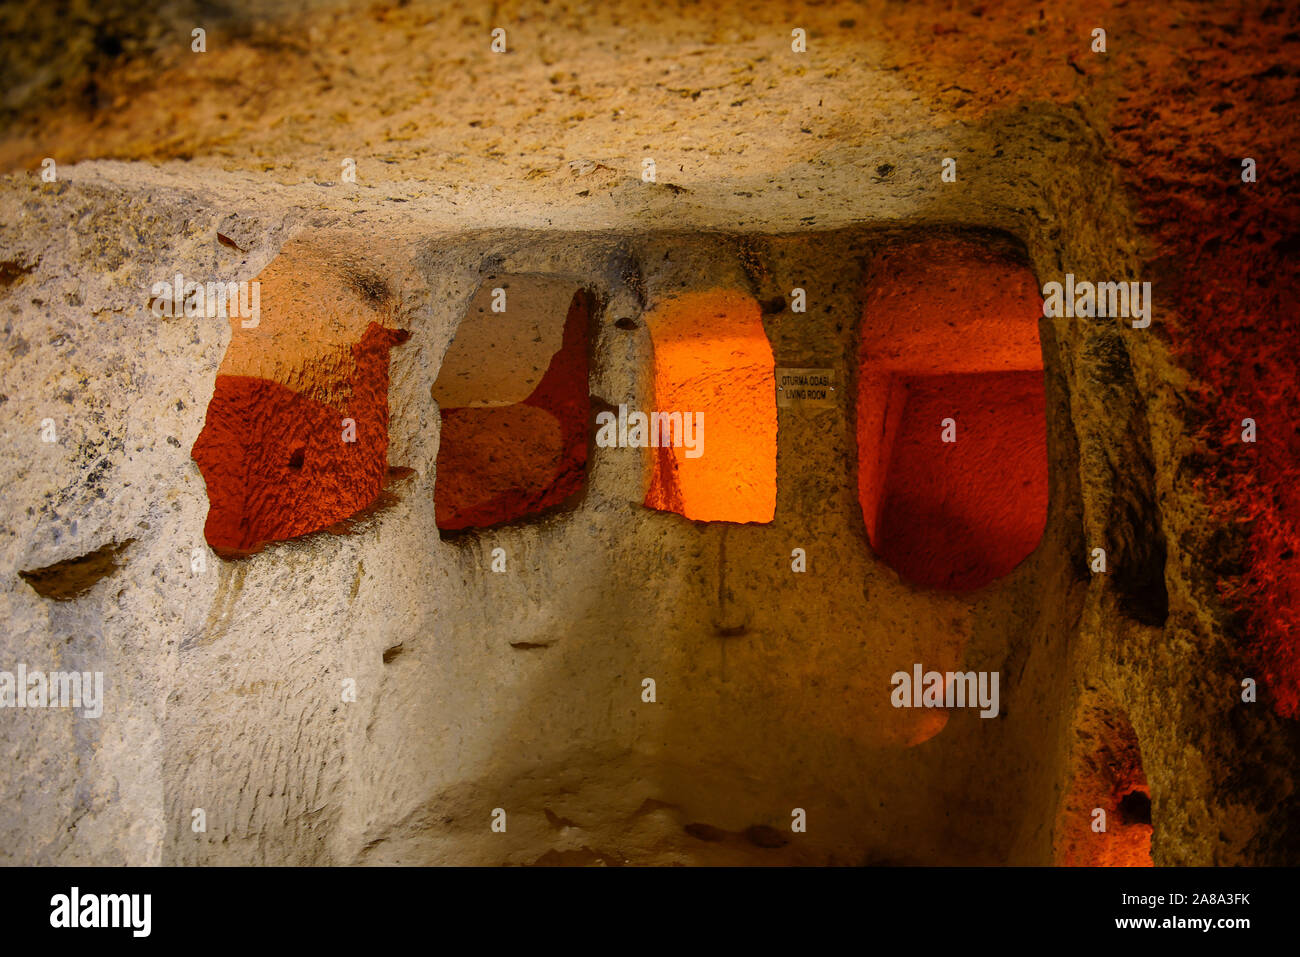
<point>479,689</point>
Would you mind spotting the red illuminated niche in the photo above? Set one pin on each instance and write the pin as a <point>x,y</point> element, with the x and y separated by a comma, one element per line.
<point>501,463</point>
<point>274,459</point>
<point>949,338</point>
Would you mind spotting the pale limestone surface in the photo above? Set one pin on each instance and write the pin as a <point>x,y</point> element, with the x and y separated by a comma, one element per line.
<point>224,687</point>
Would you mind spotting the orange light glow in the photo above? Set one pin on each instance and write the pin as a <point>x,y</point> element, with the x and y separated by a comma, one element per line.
<point>712,357</point>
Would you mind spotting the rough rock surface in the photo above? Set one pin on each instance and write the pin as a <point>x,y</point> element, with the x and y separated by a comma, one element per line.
<point>227,680</point>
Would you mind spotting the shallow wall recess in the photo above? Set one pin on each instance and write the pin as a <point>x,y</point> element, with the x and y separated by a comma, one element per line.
<point>1105,819</point>
<point>951,420</point>
<point>73,577</point>
<point>713,362</point>
<point>296,435</point>
<point>514,397</point>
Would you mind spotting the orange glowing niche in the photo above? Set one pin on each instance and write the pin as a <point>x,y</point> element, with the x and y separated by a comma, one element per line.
<point>712,358</point>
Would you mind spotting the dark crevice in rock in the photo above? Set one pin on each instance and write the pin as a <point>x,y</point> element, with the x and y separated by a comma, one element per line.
<point>11,271</point>
<point>1139,573</point>
<point>73,577</point>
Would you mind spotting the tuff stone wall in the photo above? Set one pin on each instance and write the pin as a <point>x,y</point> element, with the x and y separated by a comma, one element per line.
<point>521,689</point>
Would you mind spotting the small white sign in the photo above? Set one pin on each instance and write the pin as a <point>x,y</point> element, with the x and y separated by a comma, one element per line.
<point>812,387</point>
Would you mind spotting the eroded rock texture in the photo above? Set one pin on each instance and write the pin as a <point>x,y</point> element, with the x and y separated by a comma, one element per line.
<point>480,636</point>
<point>279,464</point>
